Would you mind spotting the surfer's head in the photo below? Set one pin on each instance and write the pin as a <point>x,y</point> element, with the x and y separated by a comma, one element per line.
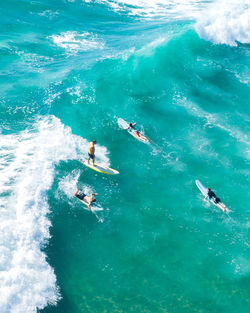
<point>94,141</point>
<point>131,125</point>
<point>208,189</point>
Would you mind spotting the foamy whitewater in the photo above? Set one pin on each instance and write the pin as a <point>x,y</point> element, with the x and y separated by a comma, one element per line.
<point>27,167</point>
<point>70,69</point>
<point>225,22</point>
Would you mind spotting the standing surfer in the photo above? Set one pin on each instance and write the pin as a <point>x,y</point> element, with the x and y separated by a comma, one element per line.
<point>92,151</point>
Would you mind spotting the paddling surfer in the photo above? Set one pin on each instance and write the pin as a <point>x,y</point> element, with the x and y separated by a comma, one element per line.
<point>212,196</point>
<point>88,199</point>
<point>136,132</point>
<point>92,151</point>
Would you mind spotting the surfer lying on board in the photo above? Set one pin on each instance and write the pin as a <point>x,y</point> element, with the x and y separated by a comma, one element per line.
<point>88,199</point>
<point>92,151</point>
<point>136,132</point>
<point>212,196</point>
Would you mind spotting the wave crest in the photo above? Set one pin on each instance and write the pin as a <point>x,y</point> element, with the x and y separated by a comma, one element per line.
<point>225,22</point>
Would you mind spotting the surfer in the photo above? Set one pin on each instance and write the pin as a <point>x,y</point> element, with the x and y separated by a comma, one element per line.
<point>136,132</point>
<point>212,196</point>
<point>88,199</point>
<point>92,151</point>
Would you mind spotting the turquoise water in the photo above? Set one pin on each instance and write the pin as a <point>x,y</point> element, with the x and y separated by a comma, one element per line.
<point>70,69</point>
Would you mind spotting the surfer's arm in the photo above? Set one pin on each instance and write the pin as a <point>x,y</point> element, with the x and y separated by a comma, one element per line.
<point>205,198</point>
<point>89,205</point>
<point>92,199</point>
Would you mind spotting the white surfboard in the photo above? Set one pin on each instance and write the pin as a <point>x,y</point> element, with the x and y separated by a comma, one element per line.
<point>95,206</point>
<point>122,123</point>
<point>100,168</point>
<point>203,190</point>
<point>125,125</point>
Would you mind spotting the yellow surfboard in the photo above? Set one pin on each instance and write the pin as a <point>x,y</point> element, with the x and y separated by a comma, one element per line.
<point>100,168</point>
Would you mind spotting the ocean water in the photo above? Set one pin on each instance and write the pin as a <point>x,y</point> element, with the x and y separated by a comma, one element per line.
<point>69,70</point>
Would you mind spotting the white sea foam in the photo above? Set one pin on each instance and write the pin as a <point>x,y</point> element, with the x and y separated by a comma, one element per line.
<point>70,183</point>
<point>225,22</point>
<point>151,8</point>
<point>219,21</point>
<point>74,42</point>
<point>27,162</point>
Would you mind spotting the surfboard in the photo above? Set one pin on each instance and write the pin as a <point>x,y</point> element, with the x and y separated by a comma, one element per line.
<point>203,190</point>
<point>125,125</point>
<point>95,206</point>
<point>122,123</point>
<point>100,168</point>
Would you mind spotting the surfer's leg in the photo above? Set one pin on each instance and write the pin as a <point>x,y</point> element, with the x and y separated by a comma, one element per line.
<point>91,156</point>
<point>225,209</point>
<point>222,206</point>
<point>136,134</point>
<point>94,160</point>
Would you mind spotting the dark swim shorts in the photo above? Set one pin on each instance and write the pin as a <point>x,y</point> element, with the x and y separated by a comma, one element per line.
<point>91,156</point>
<point>217,200</point>
<point>81,195</point>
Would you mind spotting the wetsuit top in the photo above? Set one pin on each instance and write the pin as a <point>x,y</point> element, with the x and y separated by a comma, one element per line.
<point>133,129</point>
<point>211,194</point>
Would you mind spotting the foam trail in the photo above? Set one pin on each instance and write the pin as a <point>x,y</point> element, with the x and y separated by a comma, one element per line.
<point>27,161</point>
<point>225,22</point>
